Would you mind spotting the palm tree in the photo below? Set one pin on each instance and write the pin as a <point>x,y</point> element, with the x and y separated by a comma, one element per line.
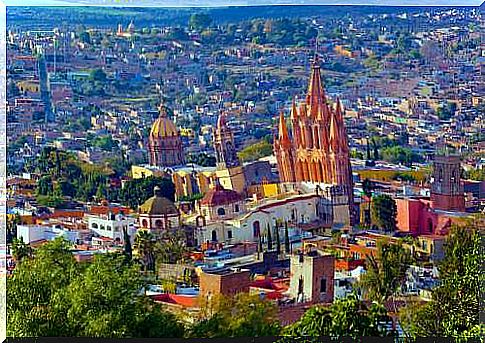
<point>144,245</point>
<point>172,247</point>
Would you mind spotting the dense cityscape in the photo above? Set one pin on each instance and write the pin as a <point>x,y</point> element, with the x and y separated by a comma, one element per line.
<point>245,171</point>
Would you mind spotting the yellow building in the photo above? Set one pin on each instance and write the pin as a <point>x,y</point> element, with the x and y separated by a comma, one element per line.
<point>187,181</point>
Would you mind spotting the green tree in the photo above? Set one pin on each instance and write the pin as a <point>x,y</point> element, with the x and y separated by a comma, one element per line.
<point>386,272</point>
<point>145,249</point>
<point>287,239</point>
<point>347,317</point>
<point>256,151</point>
<point>384,212</point>
<point>172,247</point>
<point>137,191</point>
<point>33,288</point>
<point>455,305</point>
<point>97,75</point>
<point>11,229</point>
<point>54,296</point>
<point>278,241</point>
<point>242,315</point>
<point>199,21</point>
<point>127,249</point>
<point>269,238</point>
<point>20,250</point>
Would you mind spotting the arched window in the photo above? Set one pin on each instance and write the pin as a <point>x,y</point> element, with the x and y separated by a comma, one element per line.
<point>256,229</point>
<point>144,223</point>
<point>102,227</point>
<point>229,234</point>
<point>221,211</point>
<point>94,226</point>
<point>236,208</point>
<point>158,223</point>
<point>214,236</point>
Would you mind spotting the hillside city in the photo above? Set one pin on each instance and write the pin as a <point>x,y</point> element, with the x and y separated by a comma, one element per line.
<point>245,171</point>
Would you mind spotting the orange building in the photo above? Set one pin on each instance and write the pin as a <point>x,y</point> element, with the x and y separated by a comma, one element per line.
<point>318,150</point>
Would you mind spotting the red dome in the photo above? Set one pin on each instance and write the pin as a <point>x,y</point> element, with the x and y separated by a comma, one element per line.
<point>220,196</point>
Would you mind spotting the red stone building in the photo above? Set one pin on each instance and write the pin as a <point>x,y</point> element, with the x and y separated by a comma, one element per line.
<point>446,187</point>
<point>318,149</point>
<point>227,282</point>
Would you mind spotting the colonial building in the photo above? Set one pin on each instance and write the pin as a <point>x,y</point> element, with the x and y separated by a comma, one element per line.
<point>228,168</point>
<point>159,213</point>
<point>317,150</point>
<point>164,143</point>
<point>221,204</point>
<point>312,274</point>
<point>446,187</point>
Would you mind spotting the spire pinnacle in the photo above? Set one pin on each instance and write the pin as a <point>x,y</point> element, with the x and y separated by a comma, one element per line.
<point>294,111</point>
<point>315,94</point>
<point>283,130</point>
<point>334,132</point>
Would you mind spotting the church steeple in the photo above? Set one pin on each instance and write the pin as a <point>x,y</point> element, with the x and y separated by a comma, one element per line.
<point>334,133</point>
<point>284,137</point>
<point>316,94</point>
<point>226,156</point>
<point>344,145</point>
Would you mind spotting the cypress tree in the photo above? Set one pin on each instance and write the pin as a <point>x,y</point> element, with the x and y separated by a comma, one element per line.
<point>127,250</point>
<point>287,239</point>
<point>277,237</point>
<point>270,240</point>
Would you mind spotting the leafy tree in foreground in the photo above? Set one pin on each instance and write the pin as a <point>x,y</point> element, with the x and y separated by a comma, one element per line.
<point>243,315</point>
<point>52,295</point>
<point>347,317</point>
<point>32,289</point>
<point>455,305</point>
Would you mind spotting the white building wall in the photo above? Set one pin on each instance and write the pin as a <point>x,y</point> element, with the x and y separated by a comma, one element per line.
<point>111,228</point>
<point>31,233</point>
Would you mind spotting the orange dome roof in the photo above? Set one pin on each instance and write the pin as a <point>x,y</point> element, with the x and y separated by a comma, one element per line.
<point>163,126</point>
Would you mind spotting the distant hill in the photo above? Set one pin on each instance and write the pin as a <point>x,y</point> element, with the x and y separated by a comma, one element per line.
<point>48,17</point>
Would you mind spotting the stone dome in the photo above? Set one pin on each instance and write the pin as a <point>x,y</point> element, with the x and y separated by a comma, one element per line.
<point>158,205</point>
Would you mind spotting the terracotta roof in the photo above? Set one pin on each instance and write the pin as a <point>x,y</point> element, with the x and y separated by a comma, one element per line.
<point>106,209</point>
<point>220,196</point>
<point>182,300</point>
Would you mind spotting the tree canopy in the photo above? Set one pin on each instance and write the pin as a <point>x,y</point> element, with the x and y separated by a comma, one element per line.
<point>347,317</point>
<point>52,295</point>
<point>137,191</point>
<point>455,305</point>
<point>384,212</point>
<point>243,315</point>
